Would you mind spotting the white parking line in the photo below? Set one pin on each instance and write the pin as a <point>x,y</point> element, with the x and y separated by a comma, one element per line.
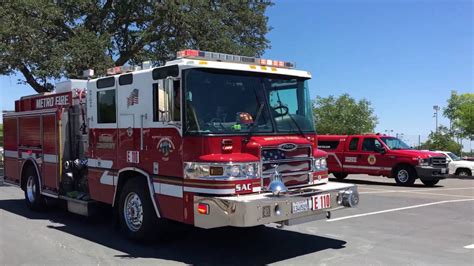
<point>397,209</point>
<point>439,194</point>
<point>416,190</point>
<point>469,246</point>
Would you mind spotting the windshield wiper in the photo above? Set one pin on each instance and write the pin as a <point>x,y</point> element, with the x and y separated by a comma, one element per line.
<point>297,126</point>
<point>259,113</point>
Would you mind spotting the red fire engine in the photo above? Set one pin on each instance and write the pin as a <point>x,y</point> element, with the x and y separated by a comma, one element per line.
<point>208,139</point>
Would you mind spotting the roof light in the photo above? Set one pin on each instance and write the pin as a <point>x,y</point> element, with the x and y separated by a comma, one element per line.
<point>211,56</point>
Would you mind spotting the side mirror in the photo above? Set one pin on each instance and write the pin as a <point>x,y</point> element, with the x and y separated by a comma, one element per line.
<point>380,150</point>
<point>169,95</point>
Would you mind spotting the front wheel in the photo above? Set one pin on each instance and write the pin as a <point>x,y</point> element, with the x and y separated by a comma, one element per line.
<point>430,183</point>
<point>34,200</point>
<point>340,176</point>
<point>138,220</point>
<point>463,172</point>
<point>405,176</point>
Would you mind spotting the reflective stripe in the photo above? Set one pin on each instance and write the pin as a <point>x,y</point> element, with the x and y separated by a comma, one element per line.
<point>168,190</point>
<point>368,167</point>
<point>26,155</point>
<point>107,179</point>
<point>10,154</point>
<point>210,191</point>
<point>50,158</point>
<point>107,164</point>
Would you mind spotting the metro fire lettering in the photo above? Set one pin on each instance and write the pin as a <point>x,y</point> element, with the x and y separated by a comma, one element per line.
<point>52,101</point>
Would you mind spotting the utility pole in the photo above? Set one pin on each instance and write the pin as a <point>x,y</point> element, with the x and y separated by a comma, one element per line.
<point>436,108</point>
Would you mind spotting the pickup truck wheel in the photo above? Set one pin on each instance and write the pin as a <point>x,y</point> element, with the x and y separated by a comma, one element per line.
<point>138,220</point>
<point>463,172</point>
<point>340,176</point>
<point>430,183</point>
<point>405,175</point>
<point>34,200</point>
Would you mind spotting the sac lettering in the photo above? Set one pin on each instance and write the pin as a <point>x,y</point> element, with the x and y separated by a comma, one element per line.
<point>243,187</point>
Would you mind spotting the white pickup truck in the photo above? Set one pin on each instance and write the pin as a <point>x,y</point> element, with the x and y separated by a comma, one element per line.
<point>458,166</point>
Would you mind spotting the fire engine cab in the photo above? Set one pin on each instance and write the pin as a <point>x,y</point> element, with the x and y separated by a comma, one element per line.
<point>208,139</point>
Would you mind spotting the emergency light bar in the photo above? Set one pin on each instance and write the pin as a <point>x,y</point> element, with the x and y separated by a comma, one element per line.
<point>196,54</point>
<point>125,69</point>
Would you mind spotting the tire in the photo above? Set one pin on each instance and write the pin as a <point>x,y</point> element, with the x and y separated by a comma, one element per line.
<point>430,183</point>
<point>340,176</point>
<point>405,175</point>
<point>33,198</point>
<point>463,172</point>
<point>137,216</point>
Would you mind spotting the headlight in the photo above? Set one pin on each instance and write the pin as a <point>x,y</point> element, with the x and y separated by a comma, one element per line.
<point>317,164</point>
<point>423,162</point>
<point>221,171</point>
<point>324,163</point>
<point>320,163</point>
<point>233,170</point>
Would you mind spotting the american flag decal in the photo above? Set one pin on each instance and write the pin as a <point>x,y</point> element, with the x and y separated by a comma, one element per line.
<point>133,98</point>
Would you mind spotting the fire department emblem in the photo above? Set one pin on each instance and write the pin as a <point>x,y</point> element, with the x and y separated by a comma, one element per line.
<point>371,159</point>
<point>133,98</point>
<point>166,147</point>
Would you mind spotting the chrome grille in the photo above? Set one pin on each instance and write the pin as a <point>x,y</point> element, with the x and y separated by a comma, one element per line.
<point>439,161</point>
<point>294,166</point>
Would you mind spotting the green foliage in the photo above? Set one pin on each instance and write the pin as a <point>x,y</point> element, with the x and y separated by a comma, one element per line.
<point>343,115</point>
<point>47,40</point>
<point>460,111</point>
<point>442,140</point>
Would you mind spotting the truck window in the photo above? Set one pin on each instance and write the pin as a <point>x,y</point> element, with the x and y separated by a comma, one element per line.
<point>328,145</point>
<point>353,144</point>
<point>106,112</point>
<point>370,144</point>
<point>160,103</point>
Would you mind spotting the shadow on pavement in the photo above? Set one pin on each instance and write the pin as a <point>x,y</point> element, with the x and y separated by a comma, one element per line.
<point>254,246</point>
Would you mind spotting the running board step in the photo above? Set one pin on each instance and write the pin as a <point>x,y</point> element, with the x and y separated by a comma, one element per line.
<point>81,207</point>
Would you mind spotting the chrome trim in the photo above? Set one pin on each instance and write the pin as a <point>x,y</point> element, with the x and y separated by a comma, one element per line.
<point>310,157</point>
<point>281,147</point>
<point>222,178</point>
<point>296,159</point>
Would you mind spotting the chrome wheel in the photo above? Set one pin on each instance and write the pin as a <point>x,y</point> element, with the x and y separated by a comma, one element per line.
<point>133,211</point>
<point>463,173</point>
<point>31,189</point>
<point>403,175</point>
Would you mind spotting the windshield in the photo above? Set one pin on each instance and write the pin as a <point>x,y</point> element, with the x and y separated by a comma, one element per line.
<point>454,157</point>
<point>395,143</point>
<point>233,102</point>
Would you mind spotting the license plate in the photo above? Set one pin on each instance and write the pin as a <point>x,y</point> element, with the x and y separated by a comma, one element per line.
<point>322,201</point>
<point>300,206</point>
<point>443,170</point>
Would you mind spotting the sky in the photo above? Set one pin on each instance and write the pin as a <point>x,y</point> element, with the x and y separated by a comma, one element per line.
<point>404,56</point>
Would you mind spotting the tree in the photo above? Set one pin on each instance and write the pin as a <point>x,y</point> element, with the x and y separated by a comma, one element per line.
<point>460,111</point>
<point>49,40</point>
<point>442,140</point>
<point>343,115</point>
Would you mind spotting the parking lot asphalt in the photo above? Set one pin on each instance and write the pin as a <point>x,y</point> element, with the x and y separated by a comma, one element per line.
<point>393,225</point>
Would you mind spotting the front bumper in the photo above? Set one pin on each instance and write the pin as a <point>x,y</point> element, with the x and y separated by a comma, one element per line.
<point>257,209</point>
<point>430,172</point>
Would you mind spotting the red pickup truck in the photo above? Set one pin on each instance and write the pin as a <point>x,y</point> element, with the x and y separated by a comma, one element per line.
<point>381,155</point>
